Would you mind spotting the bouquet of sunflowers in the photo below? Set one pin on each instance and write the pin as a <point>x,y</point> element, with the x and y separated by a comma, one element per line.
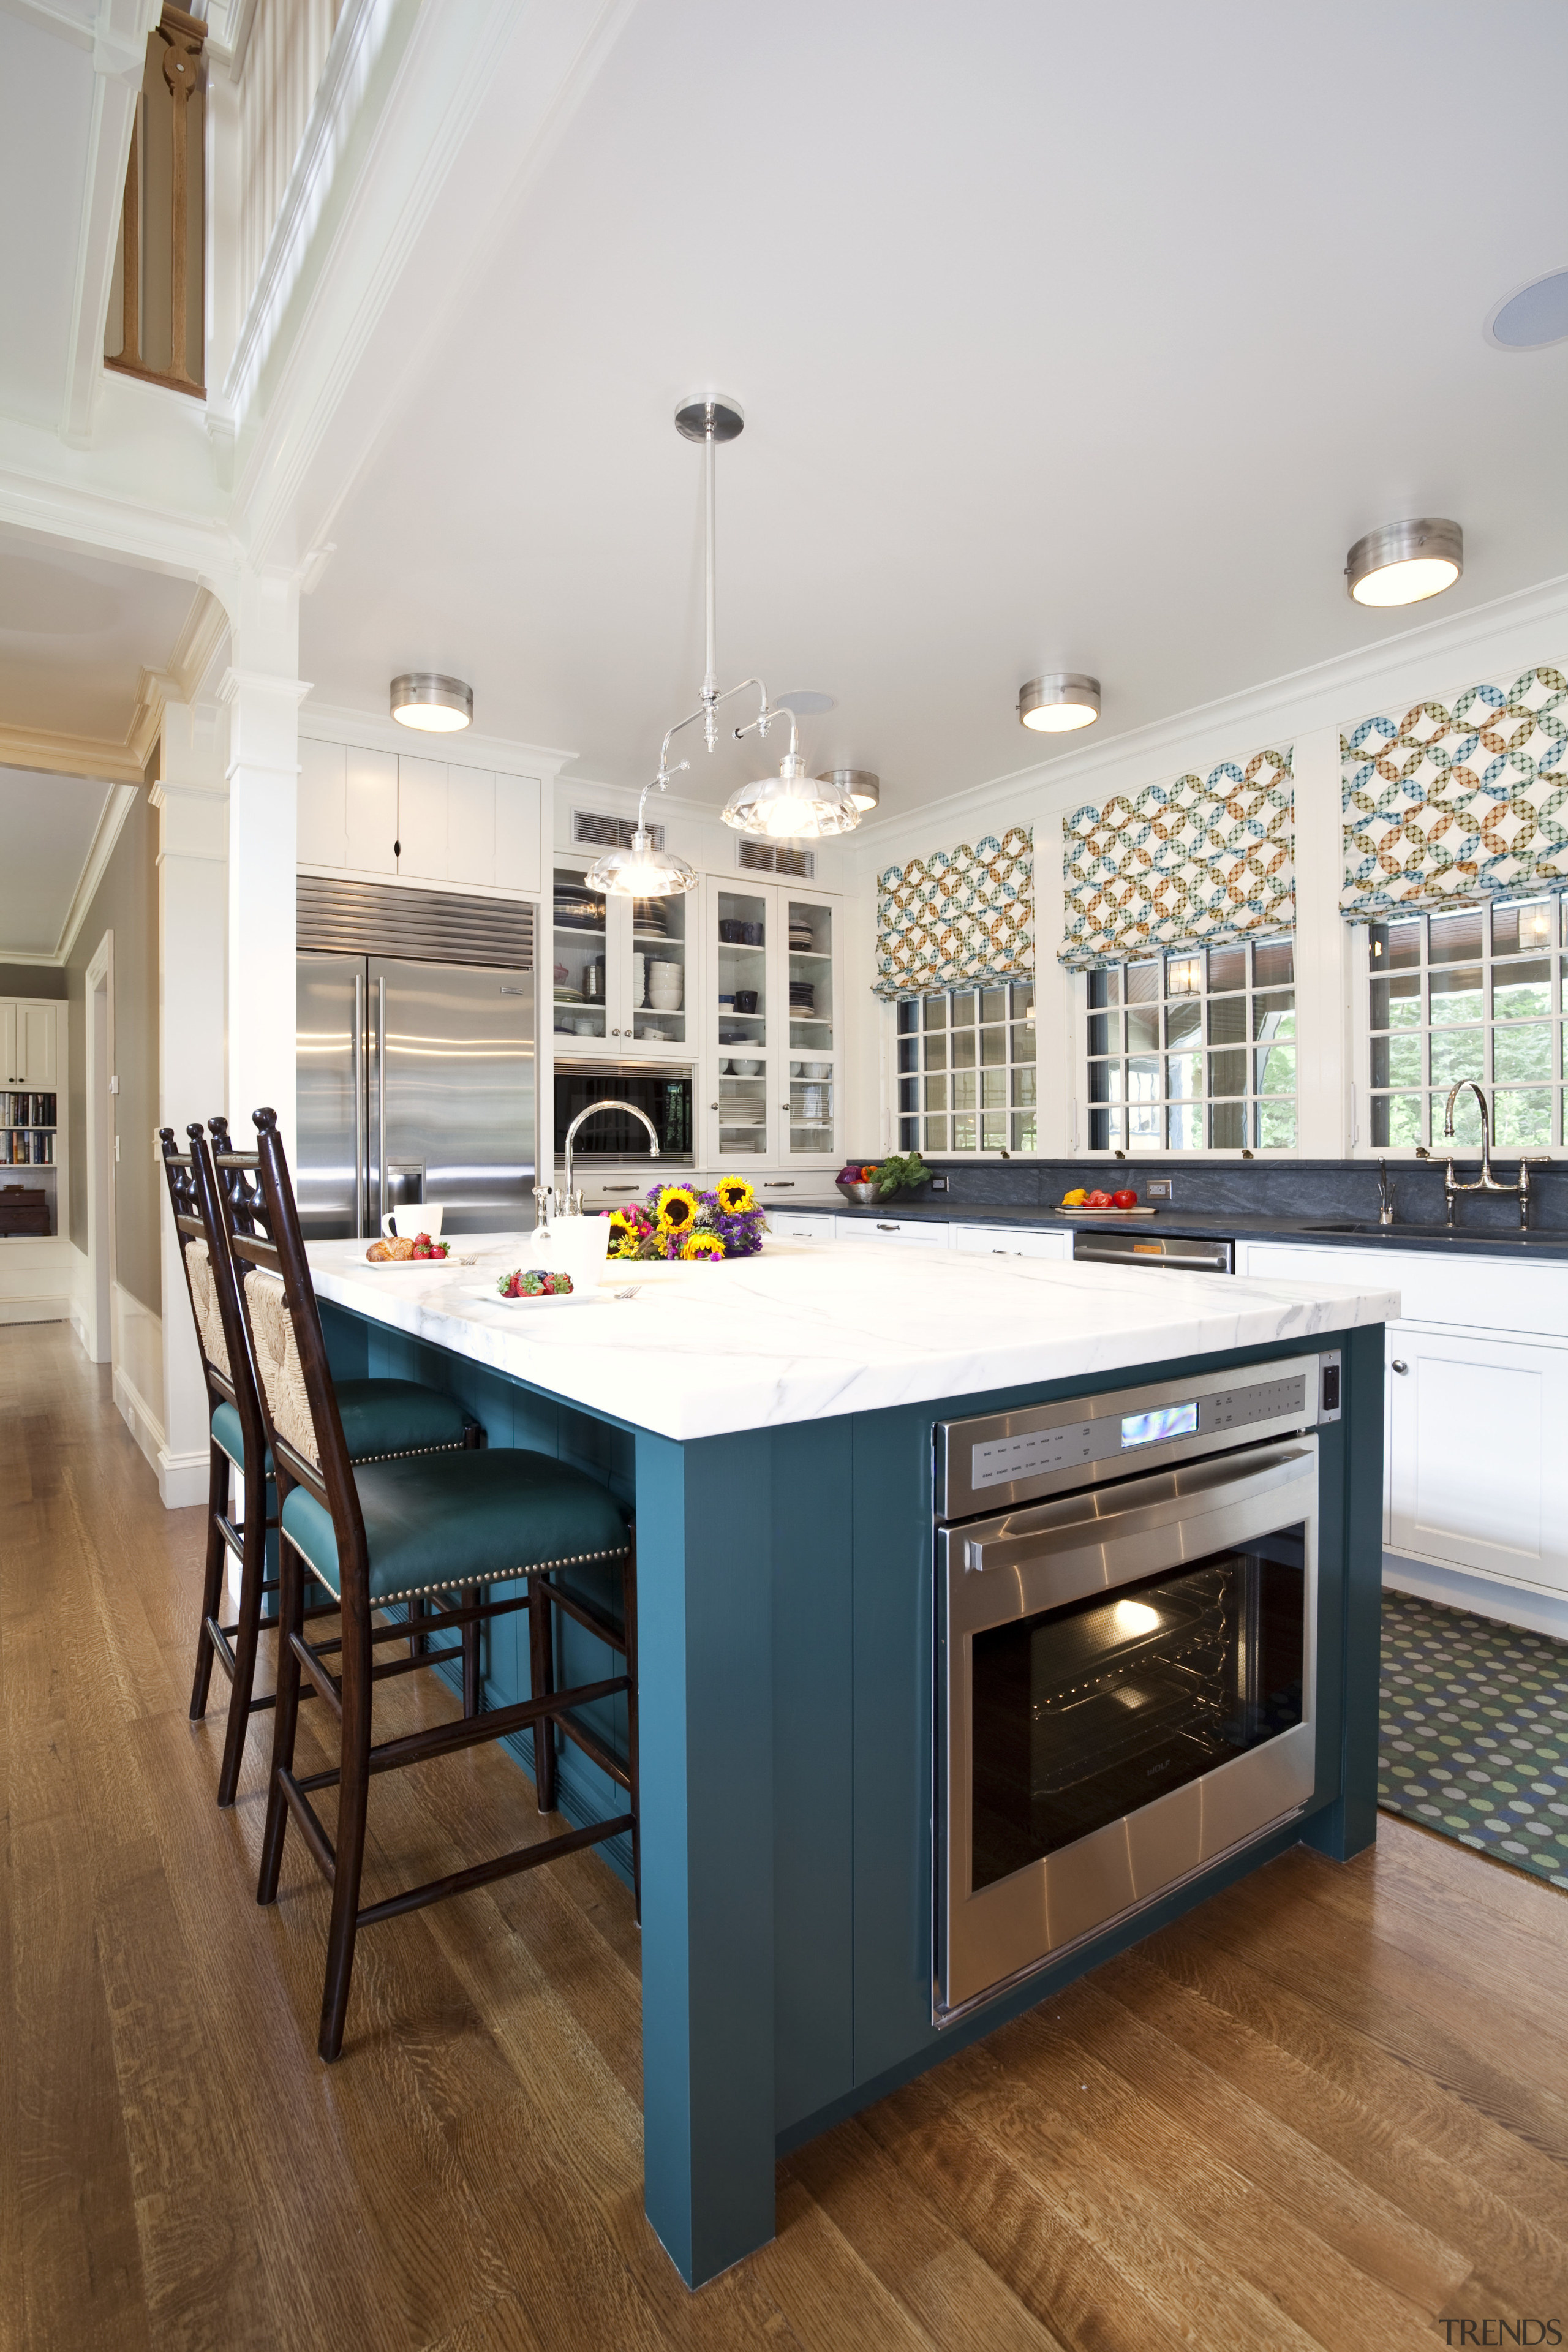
<point>677,1222</point>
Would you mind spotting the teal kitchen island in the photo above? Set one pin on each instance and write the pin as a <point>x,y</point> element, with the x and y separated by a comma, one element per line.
<point>860,1847</point>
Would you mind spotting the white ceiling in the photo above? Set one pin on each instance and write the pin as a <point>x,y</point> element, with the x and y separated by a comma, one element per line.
<point>76,632</point>
<point>47,825</point>
<point>1081,338</point>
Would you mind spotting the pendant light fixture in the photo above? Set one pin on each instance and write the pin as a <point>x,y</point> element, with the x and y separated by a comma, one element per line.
<point>791,805</point>
<point>1402,563</point>
<point>436,705</point>
<point>1056,704</point>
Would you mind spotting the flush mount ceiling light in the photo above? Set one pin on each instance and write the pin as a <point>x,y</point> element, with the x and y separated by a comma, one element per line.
<point>1057,703</point>
<point>863,788</point>
<point>791,805</point>
<point>1532,319</point>
<point>436,705</point>
<point>1402,563</point>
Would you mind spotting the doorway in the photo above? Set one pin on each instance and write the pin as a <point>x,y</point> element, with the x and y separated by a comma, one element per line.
<point>101,1153</point>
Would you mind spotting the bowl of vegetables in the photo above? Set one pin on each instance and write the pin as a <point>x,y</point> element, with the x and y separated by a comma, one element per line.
<point>879,1180</point>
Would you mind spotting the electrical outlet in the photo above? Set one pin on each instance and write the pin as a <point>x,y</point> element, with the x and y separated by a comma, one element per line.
<point>1158,1188</point>
<point>939,1183</point>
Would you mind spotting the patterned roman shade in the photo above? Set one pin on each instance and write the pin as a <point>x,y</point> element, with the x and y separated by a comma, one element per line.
<point>959,918</point>
<point>1445,806</point>
<point>1187,864</point>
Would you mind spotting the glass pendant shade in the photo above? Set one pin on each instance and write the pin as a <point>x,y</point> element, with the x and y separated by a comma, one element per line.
<point>792,807</point>
<point>641,872</point>
<point>1404,562</point>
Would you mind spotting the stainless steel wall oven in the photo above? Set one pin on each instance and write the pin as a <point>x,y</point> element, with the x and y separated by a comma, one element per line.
<point>1126,1648</point>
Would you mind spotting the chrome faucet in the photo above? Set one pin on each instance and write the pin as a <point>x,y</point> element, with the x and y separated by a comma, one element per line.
<point>1384,1194</point>
<point>1486,1183</point>
<point>550,1203</point>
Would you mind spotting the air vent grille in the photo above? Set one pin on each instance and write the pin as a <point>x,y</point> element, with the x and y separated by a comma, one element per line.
<point>427,926</point>
<point>609,832</point>
<point>773,858</point>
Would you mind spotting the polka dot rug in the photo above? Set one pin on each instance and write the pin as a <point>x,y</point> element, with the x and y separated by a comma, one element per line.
<point>1473,1733</point>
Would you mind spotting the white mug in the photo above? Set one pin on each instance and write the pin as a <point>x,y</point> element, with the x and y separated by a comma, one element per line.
<point>577,1246</point>
<point>418,1217</point>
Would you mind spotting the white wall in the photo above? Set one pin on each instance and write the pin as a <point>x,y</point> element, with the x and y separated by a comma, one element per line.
<point>1308,708</point>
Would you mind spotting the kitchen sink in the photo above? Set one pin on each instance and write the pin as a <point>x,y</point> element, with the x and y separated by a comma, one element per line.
<point>1403,1232</point>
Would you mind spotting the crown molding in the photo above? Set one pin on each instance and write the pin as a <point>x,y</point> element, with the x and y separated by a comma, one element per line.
<point>69,755</point>
<point>365,730</point>
<point>1434,656</point>
<point>117,807</point>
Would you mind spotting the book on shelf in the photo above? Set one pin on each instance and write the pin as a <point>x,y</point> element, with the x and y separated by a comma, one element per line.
<point>27,1110</point>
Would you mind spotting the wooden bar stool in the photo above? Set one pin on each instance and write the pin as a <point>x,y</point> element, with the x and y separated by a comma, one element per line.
<point>386,1420</point>
<point>379,1535</point>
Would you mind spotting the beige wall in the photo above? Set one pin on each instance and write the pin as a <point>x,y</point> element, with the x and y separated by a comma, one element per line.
<point>126,903</point>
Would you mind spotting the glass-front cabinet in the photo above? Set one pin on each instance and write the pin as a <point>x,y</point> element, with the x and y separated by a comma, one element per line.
<point>620,975</point>
<point>773,1025</point>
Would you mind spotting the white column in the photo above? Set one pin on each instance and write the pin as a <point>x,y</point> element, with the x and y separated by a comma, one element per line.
<point>1322,1066</point>
<point>263,695</point>
<point>191,800</point>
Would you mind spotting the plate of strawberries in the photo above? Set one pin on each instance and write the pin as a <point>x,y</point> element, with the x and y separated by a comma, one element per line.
<point>398,1250</point>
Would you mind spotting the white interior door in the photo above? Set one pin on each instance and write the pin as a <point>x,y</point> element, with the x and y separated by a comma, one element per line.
<point>1476,1471</point>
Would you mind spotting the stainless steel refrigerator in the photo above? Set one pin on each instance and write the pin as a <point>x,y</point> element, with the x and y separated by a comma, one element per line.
<point>416,1083</point>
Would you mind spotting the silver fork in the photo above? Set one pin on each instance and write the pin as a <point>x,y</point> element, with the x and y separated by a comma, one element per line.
<point>631,1292</point>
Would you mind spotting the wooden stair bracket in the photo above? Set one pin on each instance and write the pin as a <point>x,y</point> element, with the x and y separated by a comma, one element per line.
<point>181,37</point>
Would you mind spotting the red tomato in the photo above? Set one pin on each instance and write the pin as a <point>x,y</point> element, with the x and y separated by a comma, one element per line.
<point>1096,1200</point>
<point>1124,1200</point>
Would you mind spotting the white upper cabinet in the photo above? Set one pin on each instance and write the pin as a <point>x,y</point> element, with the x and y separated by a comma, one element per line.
<point>29,1042</point>
<point>372,787</point>
<point>422,798</point>
<point>425,820</point>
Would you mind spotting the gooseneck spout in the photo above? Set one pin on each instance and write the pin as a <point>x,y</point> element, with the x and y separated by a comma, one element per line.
<point>572,1206</point>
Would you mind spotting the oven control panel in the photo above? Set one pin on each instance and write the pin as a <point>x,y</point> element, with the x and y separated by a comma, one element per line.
<point>1047,1449</point>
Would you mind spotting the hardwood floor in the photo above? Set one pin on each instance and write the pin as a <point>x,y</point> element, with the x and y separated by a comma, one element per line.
<point>1329,2109</point>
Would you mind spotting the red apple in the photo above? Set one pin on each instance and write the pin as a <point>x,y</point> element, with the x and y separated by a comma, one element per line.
<point>1124,1200</point>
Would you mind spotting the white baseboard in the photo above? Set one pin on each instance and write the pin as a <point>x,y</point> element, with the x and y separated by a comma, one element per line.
<point>140,1418</point>
<point>1514,1604</point>
<point>33,1310</point>
<point>182,1478</point>
<point>80,1328</point>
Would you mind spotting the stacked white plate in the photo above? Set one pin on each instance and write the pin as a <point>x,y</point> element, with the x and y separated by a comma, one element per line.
<point>666,985</point>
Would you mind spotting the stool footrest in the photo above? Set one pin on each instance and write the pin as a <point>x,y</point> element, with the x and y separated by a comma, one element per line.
<point>322,1849</point>
<point>467,1730</point>
<point>481,1874</point>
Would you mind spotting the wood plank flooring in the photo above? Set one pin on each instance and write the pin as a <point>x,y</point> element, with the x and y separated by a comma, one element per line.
<point>1330,2108</point>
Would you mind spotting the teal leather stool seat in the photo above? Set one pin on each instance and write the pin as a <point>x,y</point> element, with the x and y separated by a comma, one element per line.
<point>381,1419</point>
<point>448,1520</point>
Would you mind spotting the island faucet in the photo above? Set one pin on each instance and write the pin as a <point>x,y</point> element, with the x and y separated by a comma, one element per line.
<point>550,1203</point>
<point>1487,1181</point>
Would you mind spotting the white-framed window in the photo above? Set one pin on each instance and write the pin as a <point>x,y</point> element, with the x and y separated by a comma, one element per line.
<point>1194,1052</point>
<point>966,1070</point>
<point>1474,995</point>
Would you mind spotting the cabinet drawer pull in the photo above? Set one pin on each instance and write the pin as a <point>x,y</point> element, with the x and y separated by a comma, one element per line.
<point>889,1229</point>
<point>1398,1367</point>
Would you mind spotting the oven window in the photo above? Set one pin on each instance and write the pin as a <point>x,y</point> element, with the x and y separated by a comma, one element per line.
<point>1082,1713</point>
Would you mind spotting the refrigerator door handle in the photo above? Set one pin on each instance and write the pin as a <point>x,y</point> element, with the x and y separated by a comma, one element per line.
<point>381,1097</point>
<point>359,1102</point>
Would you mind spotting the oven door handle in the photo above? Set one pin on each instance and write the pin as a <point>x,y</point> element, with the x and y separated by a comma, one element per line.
<point>1052,1536</point>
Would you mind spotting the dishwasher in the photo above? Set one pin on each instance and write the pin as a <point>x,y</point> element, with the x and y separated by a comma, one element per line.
<point>1125,1653</point>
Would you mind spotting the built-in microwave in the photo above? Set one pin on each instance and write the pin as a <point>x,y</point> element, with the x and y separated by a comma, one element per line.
<point>662,1091</point>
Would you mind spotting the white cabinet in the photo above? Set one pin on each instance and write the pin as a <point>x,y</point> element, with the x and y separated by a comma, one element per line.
<point>29,1042</point>
<point>1476,1397</point>
<point>907,1232</point>
<point>1478,1473</point>
<point>771,1030</point>
<point>799,1225</point>
<point>623,971</point>
<point>363,811</point>
<point>1016,1240</point>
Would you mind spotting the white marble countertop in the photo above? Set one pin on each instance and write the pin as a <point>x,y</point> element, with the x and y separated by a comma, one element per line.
<point>799,1332</point>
